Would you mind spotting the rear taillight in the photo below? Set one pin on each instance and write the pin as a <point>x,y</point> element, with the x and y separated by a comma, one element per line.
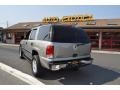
<point>50,51</point>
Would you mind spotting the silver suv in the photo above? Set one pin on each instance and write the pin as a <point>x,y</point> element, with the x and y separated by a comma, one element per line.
<point>56,46</point>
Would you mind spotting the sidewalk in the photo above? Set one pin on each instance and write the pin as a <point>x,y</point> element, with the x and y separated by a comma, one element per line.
<point>105,52</point>
<point>7,79</point>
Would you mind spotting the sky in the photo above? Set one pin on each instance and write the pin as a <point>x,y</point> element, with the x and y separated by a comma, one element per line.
<point>30,13</point>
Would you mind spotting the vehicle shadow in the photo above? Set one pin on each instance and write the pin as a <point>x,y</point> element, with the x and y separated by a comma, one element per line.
<point>92,74</point>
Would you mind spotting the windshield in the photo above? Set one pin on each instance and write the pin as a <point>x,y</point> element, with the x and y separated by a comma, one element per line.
<point>68,34</point>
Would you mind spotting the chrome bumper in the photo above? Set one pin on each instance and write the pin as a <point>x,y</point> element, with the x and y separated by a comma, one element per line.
<point>56,65</point>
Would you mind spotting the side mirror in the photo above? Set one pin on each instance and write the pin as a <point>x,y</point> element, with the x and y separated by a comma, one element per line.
<point>22,37</point>
<point>27,35</point>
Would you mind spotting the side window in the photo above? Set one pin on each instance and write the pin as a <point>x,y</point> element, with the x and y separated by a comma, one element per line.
<point>44,33</point>
<point>32,35</point>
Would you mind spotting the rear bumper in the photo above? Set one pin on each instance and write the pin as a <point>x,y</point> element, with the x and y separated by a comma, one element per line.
<point>81,62</point>
<point>56,65</point>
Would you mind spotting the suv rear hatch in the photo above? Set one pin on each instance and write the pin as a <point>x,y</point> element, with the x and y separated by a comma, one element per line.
<point>70,42</point>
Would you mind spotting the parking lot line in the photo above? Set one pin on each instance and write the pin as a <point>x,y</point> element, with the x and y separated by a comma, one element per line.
<point>22,76</point>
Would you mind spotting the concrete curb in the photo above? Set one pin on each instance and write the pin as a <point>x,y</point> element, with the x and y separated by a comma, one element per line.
<point>3,44</point>
<point>20,75</point>
<point>105,52</point>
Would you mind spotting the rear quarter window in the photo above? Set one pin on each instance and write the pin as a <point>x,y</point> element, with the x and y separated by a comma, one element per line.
<point>43,33</point>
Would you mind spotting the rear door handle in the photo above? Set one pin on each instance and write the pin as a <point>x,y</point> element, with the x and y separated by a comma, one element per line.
<point>80,44</point>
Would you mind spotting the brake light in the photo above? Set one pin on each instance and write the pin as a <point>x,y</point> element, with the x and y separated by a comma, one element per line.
<point>50,51</point>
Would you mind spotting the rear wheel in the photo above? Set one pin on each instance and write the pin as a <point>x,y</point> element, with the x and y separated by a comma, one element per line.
<point>37,69</point>
<point>21,54</point>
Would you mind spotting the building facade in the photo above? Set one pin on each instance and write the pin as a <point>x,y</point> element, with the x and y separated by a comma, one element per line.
<point>14,34</point>
<point>103,33</point>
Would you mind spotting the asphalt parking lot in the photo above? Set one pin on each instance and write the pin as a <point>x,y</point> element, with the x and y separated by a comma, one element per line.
<point>105,69</point>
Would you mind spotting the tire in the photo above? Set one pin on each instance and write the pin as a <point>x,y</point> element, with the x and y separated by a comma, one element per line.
<point>21,54</point>
<point>37,69</point>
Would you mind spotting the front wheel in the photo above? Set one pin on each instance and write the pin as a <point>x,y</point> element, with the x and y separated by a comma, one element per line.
<point>37,69</point>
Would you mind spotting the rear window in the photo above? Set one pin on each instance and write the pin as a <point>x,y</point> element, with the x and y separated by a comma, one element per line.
<point>68,34</point>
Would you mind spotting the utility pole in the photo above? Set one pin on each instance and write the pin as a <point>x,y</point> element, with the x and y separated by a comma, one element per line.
<point>7,24</point>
